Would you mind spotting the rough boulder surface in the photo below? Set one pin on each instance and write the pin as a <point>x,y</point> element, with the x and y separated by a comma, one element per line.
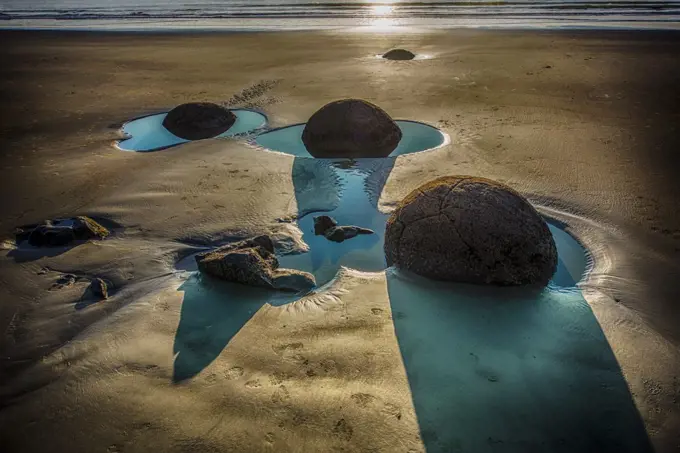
<point>99,288</point>
<point>328,227</point>
<point>473,230</point>
<point>198,120</point>
<point>60,232</point>
<point>351,128</point>
<point>399,54</point>
<point>252,262</point>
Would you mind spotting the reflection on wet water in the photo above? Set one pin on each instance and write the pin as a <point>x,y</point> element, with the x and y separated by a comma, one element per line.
<point>149,134</point>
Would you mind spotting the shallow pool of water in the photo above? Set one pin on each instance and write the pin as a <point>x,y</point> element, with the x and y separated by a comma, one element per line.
<point>149,134</point>
<point>416,137</point>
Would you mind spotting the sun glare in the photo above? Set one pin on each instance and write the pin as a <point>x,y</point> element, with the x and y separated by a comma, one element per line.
<point>381,10</point>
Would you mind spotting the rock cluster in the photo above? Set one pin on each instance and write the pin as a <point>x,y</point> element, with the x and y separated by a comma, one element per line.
<point>60,232</point>
<point>252,262</point>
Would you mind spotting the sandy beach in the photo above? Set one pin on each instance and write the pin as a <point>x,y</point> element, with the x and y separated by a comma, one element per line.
<point>584,124</point>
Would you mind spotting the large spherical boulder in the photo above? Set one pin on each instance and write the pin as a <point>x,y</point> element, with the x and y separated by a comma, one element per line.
<point>198,120</point>
<point>351,128</point>
<point>399,54</point>
<point>473,230</point>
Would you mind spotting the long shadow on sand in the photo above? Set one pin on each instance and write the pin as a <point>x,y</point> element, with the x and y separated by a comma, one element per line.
<point>214,311</point>
<point>511,370</point>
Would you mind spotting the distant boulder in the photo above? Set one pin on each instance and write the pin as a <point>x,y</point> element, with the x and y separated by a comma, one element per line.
<point>252,262</point>
<point>198,120</point>
<point>399,54</point>
<point>472,230</point>
<point>350,128</point>
<point>328,227</point>
<point>60,232</point>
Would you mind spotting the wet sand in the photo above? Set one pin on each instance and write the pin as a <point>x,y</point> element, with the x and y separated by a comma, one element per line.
<point>583,123</point>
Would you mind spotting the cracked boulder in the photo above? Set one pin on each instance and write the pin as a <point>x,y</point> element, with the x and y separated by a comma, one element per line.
<point>471,230</point>
<point>252,262</point>
<point>350,128</point>
<point>198,120</point>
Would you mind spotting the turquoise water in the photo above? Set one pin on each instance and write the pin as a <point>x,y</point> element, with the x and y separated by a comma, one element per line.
<point>490,369</point>
<point>415,137</point>
<point>149,134</point>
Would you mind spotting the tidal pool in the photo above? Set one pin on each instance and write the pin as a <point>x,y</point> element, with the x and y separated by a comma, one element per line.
<point>149,134</point>
<point>490,369</point>
<point>416,137</point>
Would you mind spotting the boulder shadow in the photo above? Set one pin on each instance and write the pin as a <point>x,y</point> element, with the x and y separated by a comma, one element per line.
<point>213,311</point>
<point>511,370</point>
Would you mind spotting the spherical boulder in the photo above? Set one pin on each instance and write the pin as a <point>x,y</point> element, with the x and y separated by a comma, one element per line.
<point>471,230</point>
<point>399,54</point>
<point>351,128</point>
<point>198,120</point>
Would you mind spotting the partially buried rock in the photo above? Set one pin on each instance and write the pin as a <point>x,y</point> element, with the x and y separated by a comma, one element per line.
<point>252,262</point>
<point>399,54</point>
<point>351,128</point>
<point>328,227</point>
<point>60,232</point>
<point>473,230</point>
<point>99,288</point>
<point>198,120</point>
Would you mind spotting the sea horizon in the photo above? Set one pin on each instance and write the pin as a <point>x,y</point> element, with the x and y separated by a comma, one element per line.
<point>329,14</point>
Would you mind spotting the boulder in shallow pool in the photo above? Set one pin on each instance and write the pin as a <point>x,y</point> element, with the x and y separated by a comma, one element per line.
<point>350,128</point>
<point>328,227</point>
<point>252,262</point>
<point>198,120</point>
<point>399,54</point>
<point>472,230</point>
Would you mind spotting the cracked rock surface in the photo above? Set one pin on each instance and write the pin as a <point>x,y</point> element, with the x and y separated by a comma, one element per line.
<point>471,230</point>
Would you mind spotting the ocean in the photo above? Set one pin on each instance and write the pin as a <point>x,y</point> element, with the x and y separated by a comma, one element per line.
<point>303,14</point>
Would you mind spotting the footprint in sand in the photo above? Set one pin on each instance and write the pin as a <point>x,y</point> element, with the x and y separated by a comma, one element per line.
<point>254,384</point>
<point>343,430</point>
<point>234,373</point>
<point>281,395</point>
<point>368,401</point>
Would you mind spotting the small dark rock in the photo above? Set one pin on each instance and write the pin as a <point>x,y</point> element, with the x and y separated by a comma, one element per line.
<point>198,120</point>
<point>342,233</point>
<point>399,54</point>
<point>99,288</point>
<point>323,223</point>
<point>64,281</point>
